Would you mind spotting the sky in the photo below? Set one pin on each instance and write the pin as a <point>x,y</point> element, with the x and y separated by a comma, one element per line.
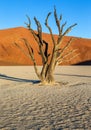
<point>13,14</point>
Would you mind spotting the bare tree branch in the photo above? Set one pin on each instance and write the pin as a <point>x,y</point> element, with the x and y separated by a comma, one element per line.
<point>58,54</point>
<point>38,37</point>
<point>62,27</point>
<point>68,60</point>
<point>57,20</point>
<point>22,50</point>
<point>30,55</point>
<point>30,49</point>
<point>39,29</point>
<point>49,28</point>
<point>28,24</point>
<point>66,55</point>
<point>46,49</point>
<point>69,29</point>
<point>32,31</point>
<point>66,46</point>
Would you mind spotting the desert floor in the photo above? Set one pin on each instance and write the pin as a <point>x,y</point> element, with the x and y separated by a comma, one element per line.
<point>24,105</point>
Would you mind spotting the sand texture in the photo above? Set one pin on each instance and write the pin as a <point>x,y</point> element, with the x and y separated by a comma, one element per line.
<point>24,105</point>
<point>12,55</point>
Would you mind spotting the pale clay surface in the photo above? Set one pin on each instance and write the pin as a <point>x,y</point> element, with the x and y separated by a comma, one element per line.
<point>27,106</point>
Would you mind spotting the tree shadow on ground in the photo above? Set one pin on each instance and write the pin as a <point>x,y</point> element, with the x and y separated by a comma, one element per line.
<point>2,76</point>
<point>76,75</point>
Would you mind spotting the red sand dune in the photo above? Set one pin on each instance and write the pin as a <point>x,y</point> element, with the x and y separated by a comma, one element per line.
<point>11,55</point>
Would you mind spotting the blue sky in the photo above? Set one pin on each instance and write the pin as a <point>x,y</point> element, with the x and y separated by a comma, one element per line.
<point>13,14</point>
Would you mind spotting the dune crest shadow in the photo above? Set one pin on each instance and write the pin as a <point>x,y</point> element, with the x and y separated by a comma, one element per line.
<point>85,63</point>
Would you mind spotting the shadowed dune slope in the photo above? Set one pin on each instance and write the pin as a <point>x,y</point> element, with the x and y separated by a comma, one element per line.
<point>11,55</point>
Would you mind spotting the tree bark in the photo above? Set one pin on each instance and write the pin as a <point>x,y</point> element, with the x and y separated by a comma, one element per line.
<point>50,78</point>
<point>46,75</point>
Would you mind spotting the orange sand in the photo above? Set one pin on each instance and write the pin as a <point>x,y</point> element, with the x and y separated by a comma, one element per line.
<point>11,55</point>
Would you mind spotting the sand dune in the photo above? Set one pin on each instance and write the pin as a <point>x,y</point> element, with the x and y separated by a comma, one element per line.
<point>24,105</point>
<point>11,55</point>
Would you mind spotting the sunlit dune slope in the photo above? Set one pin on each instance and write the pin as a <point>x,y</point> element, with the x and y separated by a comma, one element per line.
<point>11,55</point>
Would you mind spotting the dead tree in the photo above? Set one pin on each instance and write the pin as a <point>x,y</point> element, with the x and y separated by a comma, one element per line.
<point>57,56</point>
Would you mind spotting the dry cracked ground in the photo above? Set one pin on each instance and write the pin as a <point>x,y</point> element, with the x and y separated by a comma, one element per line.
<point>27,106</point>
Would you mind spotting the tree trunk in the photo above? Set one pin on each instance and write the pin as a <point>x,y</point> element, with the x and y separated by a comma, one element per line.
<point>46,74</point>
<point>50,78</point>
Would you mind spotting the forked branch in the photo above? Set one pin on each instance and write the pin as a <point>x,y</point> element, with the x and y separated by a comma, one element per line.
<point>58,53</point>
<point>49,28</point>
